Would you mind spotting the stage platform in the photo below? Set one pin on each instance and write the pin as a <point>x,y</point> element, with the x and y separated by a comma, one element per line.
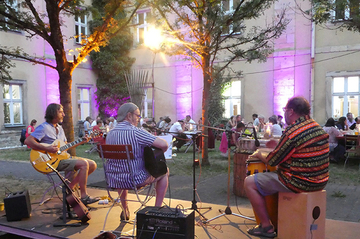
<point>40,224</point>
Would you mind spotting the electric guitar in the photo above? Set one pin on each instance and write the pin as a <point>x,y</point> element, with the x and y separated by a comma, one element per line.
<point>39,159</point>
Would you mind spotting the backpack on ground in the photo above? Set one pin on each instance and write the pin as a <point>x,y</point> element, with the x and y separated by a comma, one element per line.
<point>22,136</point>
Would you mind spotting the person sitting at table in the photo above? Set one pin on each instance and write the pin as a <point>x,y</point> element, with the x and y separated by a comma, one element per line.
<point>337,150</point>
<point>356,124</point>
<point>165,125</point>
<point>177,130</point>
<point>97,129</point>
<point>302,160</point>
<point>261,125</point>
<point>350,119</point>
<point>342,123</point>
<point>231,123</point>
<point>275,129</point>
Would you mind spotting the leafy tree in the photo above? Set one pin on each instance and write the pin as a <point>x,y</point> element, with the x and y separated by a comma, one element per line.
<point>111,63</point>
<point>346,13</point>
<point>206,31</point>
<point>48,26</point>
<point>216,106</point>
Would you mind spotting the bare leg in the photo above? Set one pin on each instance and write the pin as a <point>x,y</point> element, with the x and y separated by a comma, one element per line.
<point>82,166</point>
<point>123,196</point>
<point>161,187</point>
<point>257,201</point>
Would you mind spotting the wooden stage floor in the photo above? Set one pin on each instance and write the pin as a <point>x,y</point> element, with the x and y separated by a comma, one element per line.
<point>40,224</point>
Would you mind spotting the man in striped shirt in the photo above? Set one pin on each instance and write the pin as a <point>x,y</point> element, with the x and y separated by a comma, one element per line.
<point>126,132</point>
<point>302,160</point>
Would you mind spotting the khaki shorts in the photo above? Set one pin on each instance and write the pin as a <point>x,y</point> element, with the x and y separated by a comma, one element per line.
<point>268,183</point>
<point>67,164</point>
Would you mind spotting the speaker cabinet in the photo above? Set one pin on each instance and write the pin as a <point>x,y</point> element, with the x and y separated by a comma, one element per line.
<point>17,206</point>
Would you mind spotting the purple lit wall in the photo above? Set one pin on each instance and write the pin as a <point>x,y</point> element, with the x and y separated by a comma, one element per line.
<point>292,59</point>
<point>52,86</point>
<point>183,91</point>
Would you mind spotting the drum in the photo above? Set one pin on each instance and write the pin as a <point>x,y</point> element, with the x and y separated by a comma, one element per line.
<point>258,166</point>
<point>271,201</point>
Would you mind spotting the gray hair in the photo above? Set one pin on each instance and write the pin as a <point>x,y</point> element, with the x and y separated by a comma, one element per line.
<point>124,109</point>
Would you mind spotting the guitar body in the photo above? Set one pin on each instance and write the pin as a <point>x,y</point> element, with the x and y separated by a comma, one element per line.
<point>155,162</point>
<point>79,208</point>
<point>39,159</point>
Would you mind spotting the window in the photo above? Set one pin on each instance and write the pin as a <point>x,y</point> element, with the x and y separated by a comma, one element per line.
<point>229,6</point>
<point>12,7</point>
<point>142,25</point>
<point>345,95</point>
<point>83,95</point>
<point>345,10</point>
<point>80,28</point>
<point>13,105</point>
<point>232,100</point>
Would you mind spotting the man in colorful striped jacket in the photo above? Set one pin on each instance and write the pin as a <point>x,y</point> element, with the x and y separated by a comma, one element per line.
<point>302,160</point>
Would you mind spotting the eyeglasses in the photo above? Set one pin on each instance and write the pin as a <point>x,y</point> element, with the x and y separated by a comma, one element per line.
<point>285,109</point>
<point>136,115</point>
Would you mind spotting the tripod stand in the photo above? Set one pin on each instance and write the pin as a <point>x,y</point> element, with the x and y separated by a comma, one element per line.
<point>227,210</point>
<point>193,205</point>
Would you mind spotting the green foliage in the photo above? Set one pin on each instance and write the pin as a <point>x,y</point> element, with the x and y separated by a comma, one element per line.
<point>324,11</point>
<point>111,63</point>
<point>216,105</point>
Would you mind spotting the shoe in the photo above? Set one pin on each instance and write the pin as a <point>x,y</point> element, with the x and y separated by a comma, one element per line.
<point>262,231</point>
<point>89,200</point>
<point>122,215</point>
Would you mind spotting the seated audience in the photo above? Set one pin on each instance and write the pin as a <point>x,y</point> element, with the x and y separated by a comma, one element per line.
<point>177,130</point>
<point>275,129</point>
<point>337,150</point>
<point>342,123</point>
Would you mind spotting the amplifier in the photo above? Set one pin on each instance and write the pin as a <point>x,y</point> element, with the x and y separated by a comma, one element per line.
<point>17,206</point>
<point>164,222</point>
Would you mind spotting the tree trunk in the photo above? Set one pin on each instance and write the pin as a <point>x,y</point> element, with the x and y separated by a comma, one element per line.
<point>205,109</point>
<point>65,81</point>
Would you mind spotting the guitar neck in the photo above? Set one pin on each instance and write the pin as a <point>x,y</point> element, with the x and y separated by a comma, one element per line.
<point>72,144</point>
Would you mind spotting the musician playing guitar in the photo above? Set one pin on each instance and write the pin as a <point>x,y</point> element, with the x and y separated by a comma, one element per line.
<point>42,139</point>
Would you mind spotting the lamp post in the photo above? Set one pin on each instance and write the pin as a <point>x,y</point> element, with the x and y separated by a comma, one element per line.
<point>153,40</point>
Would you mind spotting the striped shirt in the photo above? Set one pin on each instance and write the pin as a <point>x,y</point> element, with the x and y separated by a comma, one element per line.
<point>118,172</point>
<point>302,156</point>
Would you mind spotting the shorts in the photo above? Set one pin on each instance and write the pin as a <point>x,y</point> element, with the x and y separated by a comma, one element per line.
<point>67,165</point>
<point>268,183</point>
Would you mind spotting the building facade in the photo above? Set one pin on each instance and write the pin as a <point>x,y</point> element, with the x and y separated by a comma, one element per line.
<point>317,62</point>
<point>33,87</point>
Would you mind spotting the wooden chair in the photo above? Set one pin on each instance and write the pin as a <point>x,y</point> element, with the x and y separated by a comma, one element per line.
<point>123,152</point>
<point>351,146</point>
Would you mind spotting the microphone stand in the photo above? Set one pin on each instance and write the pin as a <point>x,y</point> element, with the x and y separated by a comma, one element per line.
<point>193,205</point>
<point>227,210</point>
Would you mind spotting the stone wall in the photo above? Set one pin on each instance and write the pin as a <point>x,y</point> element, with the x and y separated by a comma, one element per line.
<point>10,138</point>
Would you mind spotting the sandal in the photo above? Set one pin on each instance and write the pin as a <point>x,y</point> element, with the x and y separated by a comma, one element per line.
<point>88,200</point>
<point>122,215</point>
<point>262,231</point>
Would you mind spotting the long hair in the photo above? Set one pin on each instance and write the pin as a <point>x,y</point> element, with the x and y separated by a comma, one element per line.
<point>330,122</point>
<point>51,112</point>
